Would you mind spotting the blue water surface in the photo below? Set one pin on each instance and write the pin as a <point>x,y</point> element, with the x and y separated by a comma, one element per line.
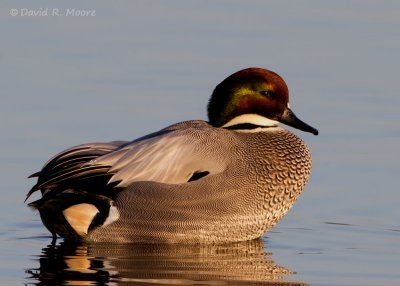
<point>133,67</point>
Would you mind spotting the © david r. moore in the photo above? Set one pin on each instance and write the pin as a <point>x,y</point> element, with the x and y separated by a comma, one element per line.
<point>52,12</point>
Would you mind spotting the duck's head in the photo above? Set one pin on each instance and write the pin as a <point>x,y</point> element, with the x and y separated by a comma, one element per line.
<point>253,96</point>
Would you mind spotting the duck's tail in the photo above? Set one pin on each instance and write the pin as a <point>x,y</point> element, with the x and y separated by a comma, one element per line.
<point>76,197</point>
<point>73,213</point>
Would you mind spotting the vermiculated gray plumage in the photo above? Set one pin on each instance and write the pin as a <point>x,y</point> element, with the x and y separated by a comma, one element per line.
<point>254,178</point>
<point>260,176</point>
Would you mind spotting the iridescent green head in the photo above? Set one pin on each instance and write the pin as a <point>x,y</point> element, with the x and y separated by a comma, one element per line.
<point>253,93</point>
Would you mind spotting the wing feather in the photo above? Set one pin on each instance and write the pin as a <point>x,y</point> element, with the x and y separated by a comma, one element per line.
<point>172,156</point>
<point>68,165</point>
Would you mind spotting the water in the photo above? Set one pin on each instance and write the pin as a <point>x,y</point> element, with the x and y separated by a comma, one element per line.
<point>136,67</point>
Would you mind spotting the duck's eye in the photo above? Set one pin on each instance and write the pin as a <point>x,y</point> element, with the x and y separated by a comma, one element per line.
<point>266,93</point>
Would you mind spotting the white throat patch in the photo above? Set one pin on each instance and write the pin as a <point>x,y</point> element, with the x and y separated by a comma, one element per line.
<point>254,119</point>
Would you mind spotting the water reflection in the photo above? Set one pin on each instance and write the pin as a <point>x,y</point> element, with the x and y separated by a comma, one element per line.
<point>121,264</point>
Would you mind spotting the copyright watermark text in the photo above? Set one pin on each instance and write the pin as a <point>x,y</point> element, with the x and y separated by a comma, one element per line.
<point>52,12</point>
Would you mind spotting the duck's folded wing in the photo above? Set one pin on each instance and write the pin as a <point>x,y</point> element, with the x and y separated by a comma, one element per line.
<point>177,154</point>
<point>67,164</point>
<point>174,156</point>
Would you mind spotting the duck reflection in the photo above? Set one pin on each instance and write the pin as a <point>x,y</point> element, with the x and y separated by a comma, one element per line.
<point>122,264</point>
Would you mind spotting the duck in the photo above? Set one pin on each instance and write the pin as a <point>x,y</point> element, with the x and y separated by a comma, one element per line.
<point>228,179</point>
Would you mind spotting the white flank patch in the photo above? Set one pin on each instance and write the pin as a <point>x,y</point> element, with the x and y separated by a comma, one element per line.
<point>254,119</point>
<point>80,217</point>
<point>113,215</point>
